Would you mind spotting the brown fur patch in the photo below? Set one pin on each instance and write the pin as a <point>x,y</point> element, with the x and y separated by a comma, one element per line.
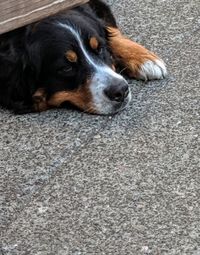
<point>71,56</point>
<point>94,43</point>
<point>81,98</point>
<point>132,55</point>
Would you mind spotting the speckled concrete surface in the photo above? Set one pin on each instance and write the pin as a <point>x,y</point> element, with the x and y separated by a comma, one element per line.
<point>72,183</point>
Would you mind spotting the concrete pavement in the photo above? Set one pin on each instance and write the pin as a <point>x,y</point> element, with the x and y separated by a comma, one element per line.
<point>73,183</point>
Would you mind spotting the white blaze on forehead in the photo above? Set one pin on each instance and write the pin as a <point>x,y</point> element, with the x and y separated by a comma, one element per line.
<point>99,67</point>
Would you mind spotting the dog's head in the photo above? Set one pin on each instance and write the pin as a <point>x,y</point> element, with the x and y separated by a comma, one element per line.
<point>71,56</point>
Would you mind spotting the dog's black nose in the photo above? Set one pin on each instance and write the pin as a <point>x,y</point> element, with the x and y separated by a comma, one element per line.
<point>118,91</point>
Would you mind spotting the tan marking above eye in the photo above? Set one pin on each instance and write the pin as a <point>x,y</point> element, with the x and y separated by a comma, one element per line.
<point>94,43</point>
<point>71,56</point>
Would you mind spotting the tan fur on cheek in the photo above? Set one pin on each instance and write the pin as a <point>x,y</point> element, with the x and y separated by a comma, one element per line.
<point>81,98</point>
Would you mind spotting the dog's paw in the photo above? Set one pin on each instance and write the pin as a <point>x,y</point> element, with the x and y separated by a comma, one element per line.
<point>152,70</point>
<point>139,62</point>
<point>146,68</point>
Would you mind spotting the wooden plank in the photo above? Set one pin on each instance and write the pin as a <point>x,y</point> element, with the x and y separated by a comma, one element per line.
<point>18,13</point>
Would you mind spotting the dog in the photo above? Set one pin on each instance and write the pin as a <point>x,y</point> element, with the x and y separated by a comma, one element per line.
<point>72,57</point>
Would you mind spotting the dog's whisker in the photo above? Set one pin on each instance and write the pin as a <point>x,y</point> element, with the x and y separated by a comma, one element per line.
<point>124,69</point>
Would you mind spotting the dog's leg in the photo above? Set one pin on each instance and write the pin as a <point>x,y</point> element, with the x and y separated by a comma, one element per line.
<point>139,62</point>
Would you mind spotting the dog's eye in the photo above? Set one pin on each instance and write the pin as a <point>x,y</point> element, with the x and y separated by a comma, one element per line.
<point>65,70</point>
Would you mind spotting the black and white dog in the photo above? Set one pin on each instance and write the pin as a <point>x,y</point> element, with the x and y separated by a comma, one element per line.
<point>71,57</point>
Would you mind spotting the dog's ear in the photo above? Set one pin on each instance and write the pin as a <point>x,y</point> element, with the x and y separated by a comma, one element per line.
<point>33,61</point>
<point>33,51</point>
<point>7,65</point>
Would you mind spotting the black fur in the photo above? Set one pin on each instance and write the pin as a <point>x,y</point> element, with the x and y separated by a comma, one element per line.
<point>33,56</point>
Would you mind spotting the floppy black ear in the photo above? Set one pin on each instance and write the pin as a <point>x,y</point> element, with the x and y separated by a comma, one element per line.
<point>7,65</point>
<point>34,57</point>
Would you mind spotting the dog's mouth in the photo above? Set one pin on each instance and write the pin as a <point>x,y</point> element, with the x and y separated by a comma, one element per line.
<point>114,108</point>
<point>122,106</point>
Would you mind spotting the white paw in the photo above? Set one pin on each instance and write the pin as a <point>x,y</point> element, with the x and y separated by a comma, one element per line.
<point>153,70</point>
